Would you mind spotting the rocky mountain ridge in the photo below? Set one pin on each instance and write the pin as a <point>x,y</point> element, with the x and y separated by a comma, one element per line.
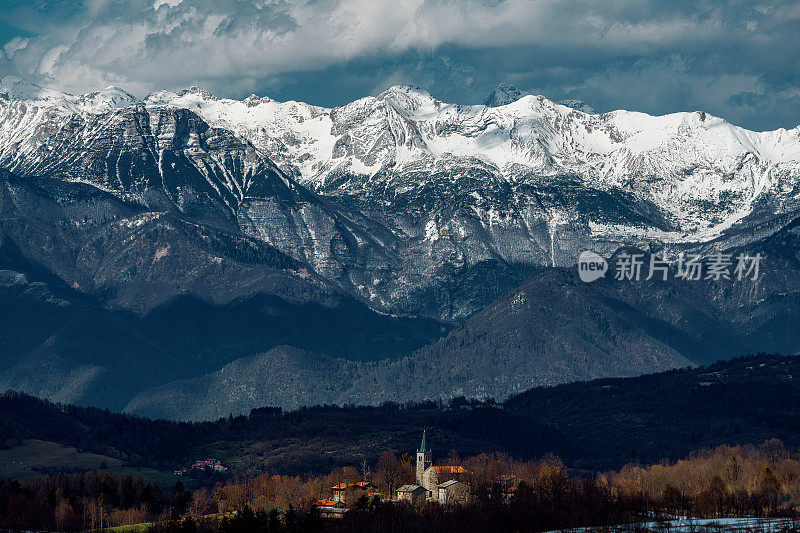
<point>397,196</point>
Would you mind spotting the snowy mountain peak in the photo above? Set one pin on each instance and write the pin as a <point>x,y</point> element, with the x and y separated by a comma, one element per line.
<point>112,97</point>
<point>19,89</point>
<point>202,93</point>
<point>700,173</point>
<point>189,97</point>
<point>410,98</point>
<point>410,91</point>
<point>254,100</point>
<point>504,94</point>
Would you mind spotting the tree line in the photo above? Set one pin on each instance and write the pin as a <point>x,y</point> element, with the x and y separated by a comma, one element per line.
<point>507,494</point>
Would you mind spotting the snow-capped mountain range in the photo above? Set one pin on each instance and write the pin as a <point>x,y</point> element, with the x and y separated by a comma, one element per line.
<point>262,252</point>
<point>703,173</point>
<point>400,194</point>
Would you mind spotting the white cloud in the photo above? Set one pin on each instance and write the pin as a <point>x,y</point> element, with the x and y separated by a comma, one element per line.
<point>232,46</point>
<point>185,40</point>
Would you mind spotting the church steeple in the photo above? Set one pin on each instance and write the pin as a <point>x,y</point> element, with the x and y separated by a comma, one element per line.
<point>424,461</point>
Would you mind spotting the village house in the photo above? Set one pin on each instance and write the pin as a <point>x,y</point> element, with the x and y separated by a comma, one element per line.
<point>412,493</point>
<point>349,493</point>
<point>436,475</point>
<point>330,508</point>
<point>344,497</point>
<point>453,491</point>
<point>213,464</point>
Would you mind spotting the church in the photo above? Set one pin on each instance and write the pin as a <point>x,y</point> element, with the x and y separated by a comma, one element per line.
<point>442,483</point>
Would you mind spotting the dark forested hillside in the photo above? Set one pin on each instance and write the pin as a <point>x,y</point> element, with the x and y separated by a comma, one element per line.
<point>667,415</point>
<point>310,439</point>
<point>552,329</point>
<point>597,424</point>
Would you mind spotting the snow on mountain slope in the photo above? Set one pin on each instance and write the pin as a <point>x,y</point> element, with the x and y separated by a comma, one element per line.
<point>703,173</point>
<point>259,119</point>
<point>112,97</point>
<point>163,158</point>
<point>417,195</point>
<point>109,139</point>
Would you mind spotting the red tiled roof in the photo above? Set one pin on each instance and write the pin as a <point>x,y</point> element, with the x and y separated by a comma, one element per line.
<point>326,503</point>
<point>361,484</point>
<point>450,469</point>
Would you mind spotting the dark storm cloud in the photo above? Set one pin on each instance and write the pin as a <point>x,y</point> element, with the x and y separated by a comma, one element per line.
<point>738,60</point>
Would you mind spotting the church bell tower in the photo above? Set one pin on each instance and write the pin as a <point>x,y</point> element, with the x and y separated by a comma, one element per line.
<point>423,459</point>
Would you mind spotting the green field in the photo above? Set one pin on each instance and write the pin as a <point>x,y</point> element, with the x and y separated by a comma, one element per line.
<point>135,528</point>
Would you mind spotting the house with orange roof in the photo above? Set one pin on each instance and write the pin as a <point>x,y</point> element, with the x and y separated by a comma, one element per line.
<point>349,493</point>
<point>330,508</point>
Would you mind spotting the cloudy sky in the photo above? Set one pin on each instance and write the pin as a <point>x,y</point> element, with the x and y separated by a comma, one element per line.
<point>738,59</point>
